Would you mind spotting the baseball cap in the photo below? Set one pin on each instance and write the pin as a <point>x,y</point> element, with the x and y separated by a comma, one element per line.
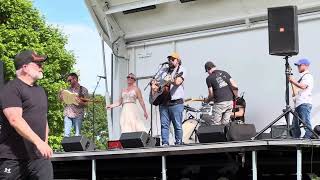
<point>174,55</point>
<point>26,57</point>
<point>209,65</point>
<point>302,61</point>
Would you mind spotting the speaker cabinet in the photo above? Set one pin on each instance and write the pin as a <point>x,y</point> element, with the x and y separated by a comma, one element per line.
<point>241,132</point>
<point>212,133</point>
<point>316,129</point>
<point>278,131</point>
<point>77,143</point>
<point>137,139</point>
<point>1,74</point>
<point>283,31</point>
<point>264,136</point>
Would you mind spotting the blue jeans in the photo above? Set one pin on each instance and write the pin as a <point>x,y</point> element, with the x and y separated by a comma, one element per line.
<point>175,114</point>
<point>304,112</point>
<point>72,122</point>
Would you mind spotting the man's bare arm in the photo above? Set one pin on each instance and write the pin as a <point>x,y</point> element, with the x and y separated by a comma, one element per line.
<point>14,116</point>
<point>47,133</point>
<point>210,95</point>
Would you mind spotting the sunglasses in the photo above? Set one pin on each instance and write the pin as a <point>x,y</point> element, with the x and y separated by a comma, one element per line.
<point>130,77</point>
<point>171,59</point>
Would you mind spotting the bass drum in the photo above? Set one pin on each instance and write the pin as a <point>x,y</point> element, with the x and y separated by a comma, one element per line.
<point>189,127</point>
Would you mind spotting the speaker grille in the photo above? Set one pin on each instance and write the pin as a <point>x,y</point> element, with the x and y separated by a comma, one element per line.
<point>283,31</point>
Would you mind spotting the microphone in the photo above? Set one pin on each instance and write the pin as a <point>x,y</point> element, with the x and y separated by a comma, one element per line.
<point>164,63</point>
<point>103,77</point>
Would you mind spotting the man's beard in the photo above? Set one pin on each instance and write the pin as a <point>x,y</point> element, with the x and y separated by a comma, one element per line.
<point>171,65</point>
<point>35,75</point>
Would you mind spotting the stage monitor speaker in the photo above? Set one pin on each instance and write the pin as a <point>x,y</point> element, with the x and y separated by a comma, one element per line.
<point>278,131</point>
<point>316,129</point>
<point>77,143</point>
<point>1,74</point>
<point>137,139</point>
<point>241,132</point>
<point>212,133</point>
<point>264,136</point>
<point>283,31</point>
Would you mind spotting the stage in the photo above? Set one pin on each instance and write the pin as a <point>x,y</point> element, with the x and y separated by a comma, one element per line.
<point>256,159</point>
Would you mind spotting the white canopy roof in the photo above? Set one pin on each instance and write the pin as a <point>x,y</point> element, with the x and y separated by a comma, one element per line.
<point>158,18</point>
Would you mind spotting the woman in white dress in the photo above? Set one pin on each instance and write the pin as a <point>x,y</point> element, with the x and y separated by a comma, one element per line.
<point>131,119</point>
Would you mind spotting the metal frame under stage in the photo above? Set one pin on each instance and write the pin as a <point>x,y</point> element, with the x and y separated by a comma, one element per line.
<point>253,147</point>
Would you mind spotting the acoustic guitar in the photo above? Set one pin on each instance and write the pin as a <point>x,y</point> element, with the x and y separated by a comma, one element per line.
<point>71,98</point>
<point>160,90</point>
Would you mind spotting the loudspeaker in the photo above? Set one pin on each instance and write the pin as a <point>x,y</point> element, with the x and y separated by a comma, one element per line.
<point>212,133</point>
<point>1,74</point>
<point>264,136</point>
<point>283,31</point>
<point>278,131</point>
<point>316,129</point>
<point>137,139</point>
<point>77,143</point>
<point>241,132</point>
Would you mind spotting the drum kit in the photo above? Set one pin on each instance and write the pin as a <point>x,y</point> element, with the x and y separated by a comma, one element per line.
<point>200,116</point>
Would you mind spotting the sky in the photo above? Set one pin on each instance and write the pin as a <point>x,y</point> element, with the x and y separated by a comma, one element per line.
<point>73,18</point>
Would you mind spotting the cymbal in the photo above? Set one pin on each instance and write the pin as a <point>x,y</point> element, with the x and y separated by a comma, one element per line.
<point>193,100</point>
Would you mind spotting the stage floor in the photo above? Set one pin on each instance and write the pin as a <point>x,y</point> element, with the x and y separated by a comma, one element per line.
<point>262,159</point>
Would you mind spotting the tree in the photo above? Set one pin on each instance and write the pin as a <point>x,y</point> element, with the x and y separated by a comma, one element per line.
<point>21,28</point>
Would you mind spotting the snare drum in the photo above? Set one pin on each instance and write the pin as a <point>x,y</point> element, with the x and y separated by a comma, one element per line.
<point>189,126</point>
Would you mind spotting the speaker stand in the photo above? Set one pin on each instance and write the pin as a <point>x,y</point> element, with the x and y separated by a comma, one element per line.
<point>287,110</point>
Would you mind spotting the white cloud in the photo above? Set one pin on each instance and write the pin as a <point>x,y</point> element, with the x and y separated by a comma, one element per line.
<point>85,42</point>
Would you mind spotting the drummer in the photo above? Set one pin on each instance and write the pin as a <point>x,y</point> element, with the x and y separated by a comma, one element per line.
<point>239,111</point>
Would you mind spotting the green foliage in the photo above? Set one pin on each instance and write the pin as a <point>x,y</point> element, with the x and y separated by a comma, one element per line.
<point>55,143</point>
<point>100,123</point>
<point>21,28</point>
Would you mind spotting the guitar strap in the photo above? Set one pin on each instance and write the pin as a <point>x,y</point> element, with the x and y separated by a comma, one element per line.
<point>170,72</point>
<point>302,77</point>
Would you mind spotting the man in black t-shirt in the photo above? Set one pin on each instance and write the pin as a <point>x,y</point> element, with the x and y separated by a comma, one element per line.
<point>24,149</point>
<point>220,90</point>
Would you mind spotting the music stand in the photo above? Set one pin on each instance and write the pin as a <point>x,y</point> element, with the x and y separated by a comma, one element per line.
<point>287,110</point>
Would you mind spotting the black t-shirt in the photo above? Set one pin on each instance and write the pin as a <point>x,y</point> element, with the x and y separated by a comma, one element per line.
<point>34,103</point>
<point>221,90</point>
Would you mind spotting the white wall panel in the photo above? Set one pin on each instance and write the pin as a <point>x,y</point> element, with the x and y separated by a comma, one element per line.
<point>245,56</point>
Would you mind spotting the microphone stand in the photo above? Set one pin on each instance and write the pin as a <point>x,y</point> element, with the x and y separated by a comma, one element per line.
<point>159,68</point>
<point>93,110</point>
